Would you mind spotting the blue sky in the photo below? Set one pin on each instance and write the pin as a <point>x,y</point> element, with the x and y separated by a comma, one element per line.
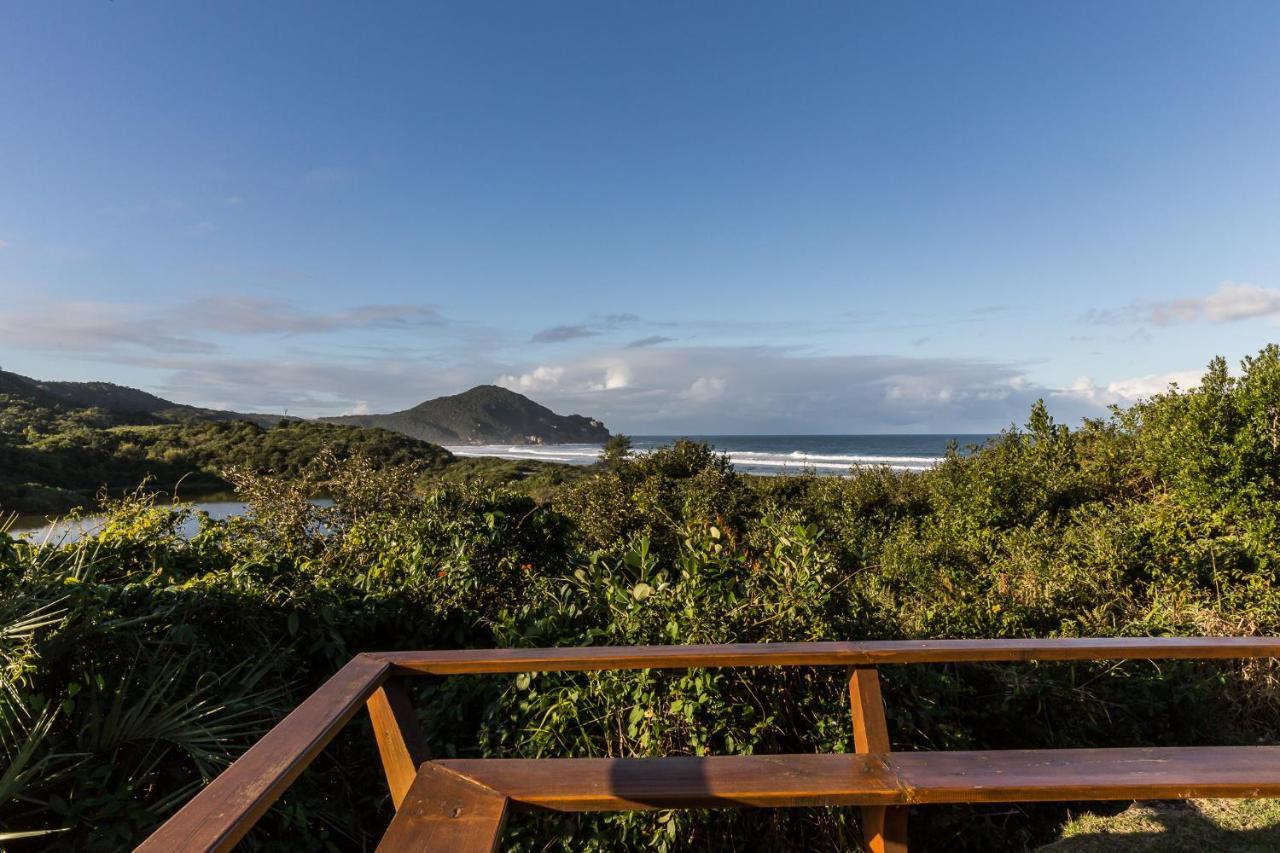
<point>710,217</point>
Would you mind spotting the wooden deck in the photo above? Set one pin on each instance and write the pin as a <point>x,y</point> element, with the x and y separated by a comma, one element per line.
<point>463,804</point>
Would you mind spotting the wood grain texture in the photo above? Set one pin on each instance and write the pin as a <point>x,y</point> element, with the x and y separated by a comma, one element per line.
<point>629,784</point>
<point>1013,776</point>
<point>444,811</point>
<point>884,828</point>
<point>872,779</point>
<point>220,815</point>
<point>866,705</point>
<point>577,658</point>
<point>395,728</point>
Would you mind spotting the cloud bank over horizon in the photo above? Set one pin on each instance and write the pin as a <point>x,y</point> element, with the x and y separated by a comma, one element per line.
<point>266,355</point>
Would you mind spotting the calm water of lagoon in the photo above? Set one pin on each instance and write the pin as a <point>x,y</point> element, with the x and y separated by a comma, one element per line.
<point>41,528</point>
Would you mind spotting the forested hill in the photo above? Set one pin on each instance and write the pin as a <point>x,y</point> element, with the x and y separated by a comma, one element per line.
<point>26,402</point>
<point>57,471</point>
<point>487,414</point>
<point>63,443</point>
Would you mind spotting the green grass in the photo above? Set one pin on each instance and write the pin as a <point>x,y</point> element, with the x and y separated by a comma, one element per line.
<point>1225,826</point>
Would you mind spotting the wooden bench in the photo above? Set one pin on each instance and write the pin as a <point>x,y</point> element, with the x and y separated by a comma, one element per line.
<point>462,804</point>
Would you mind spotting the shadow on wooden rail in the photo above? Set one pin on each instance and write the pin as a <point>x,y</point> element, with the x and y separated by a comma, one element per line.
<point>462,804</point>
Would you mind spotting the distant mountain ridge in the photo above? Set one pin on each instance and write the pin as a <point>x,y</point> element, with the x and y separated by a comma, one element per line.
<point>121,405</point>
<point>486,414</point>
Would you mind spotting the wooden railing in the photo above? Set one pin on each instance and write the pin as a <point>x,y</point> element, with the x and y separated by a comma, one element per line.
<point>462,804</point>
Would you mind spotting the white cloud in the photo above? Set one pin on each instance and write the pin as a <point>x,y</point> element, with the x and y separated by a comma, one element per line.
<point>234,201</point>
<point>304,386</point>
<point>1129,390</point>
<point>616,376</point>
<point>541,378</point>
<point>84,326</point>
<point>772,389</point>
<point>360,408</point>
<point>91,326</point>
<point>1231,302</point>
<point>250,315</point>
<point>653,390</point>
<point>707,388</point>
<point>650,389</point>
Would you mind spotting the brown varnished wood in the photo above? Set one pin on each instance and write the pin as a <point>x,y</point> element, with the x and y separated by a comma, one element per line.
<point>217,817</point>
<point>444,811</point>
<point>628,784</point>
<point>884,828</point>
<point>870,729</point>
<point>220,815</point>
<point>395,728</point>
<point>1012,776</point>
<point>879,779</point>
<point>578,658</point>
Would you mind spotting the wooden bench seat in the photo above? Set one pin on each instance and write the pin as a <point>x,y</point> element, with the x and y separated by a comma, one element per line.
<point>487,786</point>
<point>870,779</point>
<point>625,784</point>
<point>1126,773</point>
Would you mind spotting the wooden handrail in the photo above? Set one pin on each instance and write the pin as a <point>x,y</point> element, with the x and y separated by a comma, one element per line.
<point>229,806</point>
<point>869,653</point>
<point>225,810</point>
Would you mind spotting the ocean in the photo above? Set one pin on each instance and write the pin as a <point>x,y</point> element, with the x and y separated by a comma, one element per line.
<point>765,454</point>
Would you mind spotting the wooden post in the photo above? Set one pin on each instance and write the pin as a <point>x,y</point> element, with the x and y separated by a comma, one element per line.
<point>446,811</point>
<point>884,828</point>
<point>400,744</point>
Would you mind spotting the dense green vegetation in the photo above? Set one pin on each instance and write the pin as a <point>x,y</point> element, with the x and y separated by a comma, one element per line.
<point>486,414</point>
<point>35,405</point>
<point>137,663</point>
<point>69,467</point>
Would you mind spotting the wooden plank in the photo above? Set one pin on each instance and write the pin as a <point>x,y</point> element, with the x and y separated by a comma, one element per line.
<point>220,815</point>
<point>444,811</point>
<point>884,828</point>
<point>629,784</point>
<point>578,658</point>
<point>1038,775</point>
<point>870,728</point>
<point>871,779</point>
<point>395,728</point>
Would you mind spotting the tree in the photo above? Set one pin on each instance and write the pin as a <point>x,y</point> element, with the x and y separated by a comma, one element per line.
<point>615,450</point>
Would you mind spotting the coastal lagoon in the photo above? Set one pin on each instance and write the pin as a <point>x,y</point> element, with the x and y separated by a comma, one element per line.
<point>43,528</point>
<point>764,454</point>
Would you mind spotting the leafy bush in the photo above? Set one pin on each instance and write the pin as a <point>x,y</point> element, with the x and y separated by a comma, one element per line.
<point>136,662</point>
